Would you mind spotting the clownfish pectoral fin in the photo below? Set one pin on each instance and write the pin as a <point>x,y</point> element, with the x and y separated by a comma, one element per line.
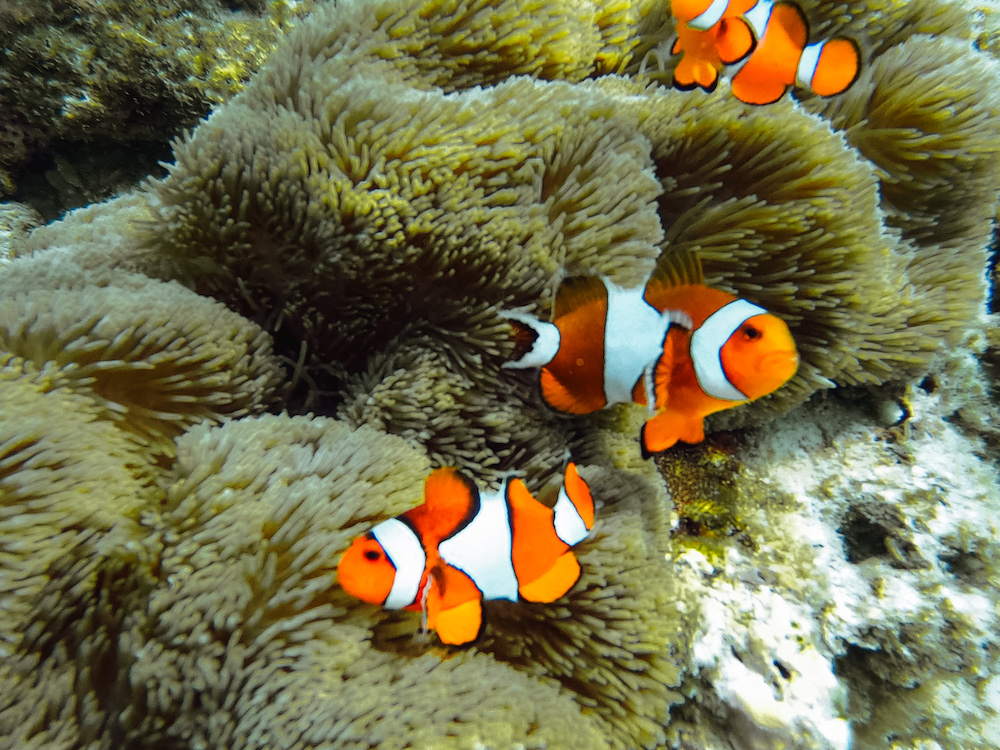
<point>666,428</point>
<point>555,582</point>
<point>674,268</point>
<point>454,605</point>
<point>661,375</point>
<point>691,73</point>
<point>735,40</point>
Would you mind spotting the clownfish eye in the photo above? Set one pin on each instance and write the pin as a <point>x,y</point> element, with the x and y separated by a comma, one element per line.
<point>751,333</point>
<point>372,555</point>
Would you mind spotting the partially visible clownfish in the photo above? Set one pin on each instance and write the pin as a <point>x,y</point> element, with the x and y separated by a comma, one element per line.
<point>773,37</point>
<point>710,35</point>
<point>461,547</point>
<point>683,349</point>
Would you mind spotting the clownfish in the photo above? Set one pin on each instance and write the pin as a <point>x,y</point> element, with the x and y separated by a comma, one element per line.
<point>771,36</point>
<point>710,35</point>
<point>681,348</point>
<point>461,547</point>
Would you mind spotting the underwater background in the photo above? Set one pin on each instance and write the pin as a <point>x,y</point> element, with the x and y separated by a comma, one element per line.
<point>224,356</point>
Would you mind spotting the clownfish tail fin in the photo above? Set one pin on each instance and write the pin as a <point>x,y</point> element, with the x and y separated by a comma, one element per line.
<point>829,67</point>
<point>535,342</point>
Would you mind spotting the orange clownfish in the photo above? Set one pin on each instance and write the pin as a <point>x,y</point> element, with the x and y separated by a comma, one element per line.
<point>697,350</point>
<point>712,34</point>
<point>462,546</point>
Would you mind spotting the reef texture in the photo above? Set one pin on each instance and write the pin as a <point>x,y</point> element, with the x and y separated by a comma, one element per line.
<point>373,182</point>
<point>396,175</point>
<point>90,86</point>
<point>870,620</point>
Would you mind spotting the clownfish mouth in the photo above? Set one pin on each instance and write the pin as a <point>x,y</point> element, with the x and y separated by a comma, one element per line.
<point>780,364</point>
<point>771,371</point>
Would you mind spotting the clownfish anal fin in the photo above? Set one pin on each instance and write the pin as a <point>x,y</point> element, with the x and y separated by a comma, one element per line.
<point>757,92</point>
<point>677,267</point>
<point>666,428</point>
<point>555,582</point>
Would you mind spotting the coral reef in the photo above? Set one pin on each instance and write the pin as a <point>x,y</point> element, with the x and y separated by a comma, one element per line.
<point>229,599</point>
<point>397,174</point>
<point>865,594</point>
<point>805,226</point>
<point>154,357</point>
<point>79,76</point>
<point>16,222</point>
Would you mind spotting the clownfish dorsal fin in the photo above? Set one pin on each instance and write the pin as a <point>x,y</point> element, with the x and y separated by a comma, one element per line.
<point>451,500</point>
<point>674,268</point>
<point>579,291</point>
<point>446,487</point>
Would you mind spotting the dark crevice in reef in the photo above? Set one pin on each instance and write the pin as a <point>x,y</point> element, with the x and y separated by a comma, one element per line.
<point>68,175</point>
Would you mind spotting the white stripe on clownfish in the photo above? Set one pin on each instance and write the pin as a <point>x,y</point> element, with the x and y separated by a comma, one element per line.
<point>406,553</point>
<point>706,348</point>
<point>808,63</point>
<point>569,524</point>
<point>545,347</point>
<point>482,549</point>
<point>758,16</point>
<point>634,332</point>
<point>710,16</point>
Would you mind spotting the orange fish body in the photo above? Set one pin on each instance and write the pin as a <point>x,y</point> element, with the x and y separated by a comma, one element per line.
<point>697,350</point>
<point>773,37</point>
<point>706,51</point>
<point>735,352</point>
<point>461,547</point>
